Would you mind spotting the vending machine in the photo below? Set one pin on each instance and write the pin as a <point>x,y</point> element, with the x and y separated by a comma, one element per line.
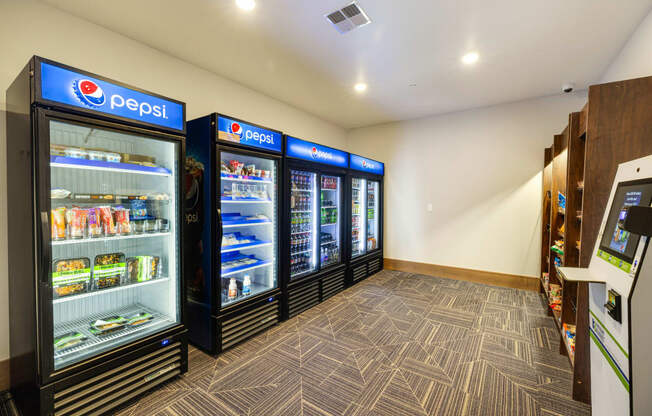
<point>94,183</point>
<point>365,226</point>
<point>314,230</point>
<point>232,226</point>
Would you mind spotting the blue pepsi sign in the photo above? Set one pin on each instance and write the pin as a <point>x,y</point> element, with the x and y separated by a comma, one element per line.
<point>69,87</point>
<point>314,152</point>
<point>248,135</point>
<point>366,165</point>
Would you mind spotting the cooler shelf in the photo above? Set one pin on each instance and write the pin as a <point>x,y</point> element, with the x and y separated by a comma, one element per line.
<point>256,289</point>
<point>104,239</point>
<point>111,290</point>
<point>73,163</point>
<point>241,178</point>
<point>236,247</point>
<point>251,266</point>
<point>104,342</point>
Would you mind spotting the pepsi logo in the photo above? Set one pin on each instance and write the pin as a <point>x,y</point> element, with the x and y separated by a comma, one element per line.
<point>314,152</point>
<point>364,163</point>
<point>236,129</point>
<point>89,93</point>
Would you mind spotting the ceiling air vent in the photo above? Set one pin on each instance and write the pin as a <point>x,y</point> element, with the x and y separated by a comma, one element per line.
<point>348,18</point>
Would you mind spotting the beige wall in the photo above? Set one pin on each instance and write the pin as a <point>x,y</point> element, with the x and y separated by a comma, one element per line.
<point>480,170</point>
<point>635,59</point>
<point>29,28</point>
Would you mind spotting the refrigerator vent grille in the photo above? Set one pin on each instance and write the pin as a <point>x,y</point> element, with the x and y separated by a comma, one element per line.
<point>359,272</point>
<point>302,298</point>
<point>348,18</point>
<point>333,284</point>
<point>112,388</point>
<point>375,266</point>
<point>241,327</point>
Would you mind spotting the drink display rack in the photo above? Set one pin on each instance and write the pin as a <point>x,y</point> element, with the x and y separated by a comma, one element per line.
<point>302,224</point>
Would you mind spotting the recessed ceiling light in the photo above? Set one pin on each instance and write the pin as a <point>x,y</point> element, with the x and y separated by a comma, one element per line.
<point>470,58</point>
<point>360,87</point>
<point>246,5</point>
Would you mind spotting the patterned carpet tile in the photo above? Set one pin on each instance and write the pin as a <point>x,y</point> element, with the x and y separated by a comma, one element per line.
<point>394,344</point>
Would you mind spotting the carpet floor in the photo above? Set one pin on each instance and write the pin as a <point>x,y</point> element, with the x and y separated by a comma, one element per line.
<point>394,344</point>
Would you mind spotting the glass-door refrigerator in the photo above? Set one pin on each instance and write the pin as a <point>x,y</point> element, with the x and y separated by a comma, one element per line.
<point>314,224</point>
<point>365,187</point>
<point>233,172</point>
<point>94,184</point>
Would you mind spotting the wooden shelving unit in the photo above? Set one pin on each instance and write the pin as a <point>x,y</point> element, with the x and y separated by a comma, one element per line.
<point>566,177</point>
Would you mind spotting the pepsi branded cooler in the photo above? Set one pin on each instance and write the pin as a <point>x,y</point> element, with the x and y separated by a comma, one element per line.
<point>94,183</point>
<point>232,230</point>
<point>314,266</point>
<point>365,224</point>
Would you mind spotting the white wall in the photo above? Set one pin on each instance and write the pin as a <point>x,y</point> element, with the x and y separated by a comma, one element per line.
<point>481,170</point>
<point>635,59</point>
<point>30,28</point>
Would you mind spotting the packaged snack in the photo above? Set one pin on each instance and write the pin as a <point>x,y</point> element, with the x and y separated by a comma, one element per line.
<point>138,210</point>
<point>113,157</point>
<point>150,226</point>
<point>250,169</point>
<point>57,150</point>
<point>138,319</point>
<point>138,226</point>
<point>107,325</point>
<point>78,222</point>
<point>163,225</point>
<point>108,225</point>
<point>59,193</point>
<point>58,223</point>
<point>143,268</point>
<point>108,270</point>
<point>94,222</point>
<point>122,220</point>
<point>69,340</point>
<point>76,153</point>
<point>96,155</point>
<point>70,276</point>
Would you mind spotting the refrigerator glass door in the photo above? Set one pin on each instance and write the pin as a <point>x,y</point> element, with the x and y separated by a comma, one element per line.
<point>249,201</point>
<point>372,215</point>
<point>114,224</point>
<point>358,217</point>
<point>303,223</point>
<point>331,213</point>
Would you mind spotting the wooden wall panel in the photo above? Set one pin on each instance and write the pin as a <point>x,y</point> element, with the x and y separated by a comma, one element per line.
<point>619,129</point>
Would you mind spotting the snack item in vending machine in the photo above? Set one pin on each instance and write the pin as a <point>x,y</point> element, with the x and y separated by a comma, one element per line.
<point>138,319</point>
<point>94,222</point>
<point>69,340</point>
<point>70,276</point>
<point>122,220</point>
<point>58,223</point>
<point>78,222</point>
<point>108,225</point>
<point>108,270</point>
<point>143,268</point>
<point>59,193</point>
<point>107,325</point>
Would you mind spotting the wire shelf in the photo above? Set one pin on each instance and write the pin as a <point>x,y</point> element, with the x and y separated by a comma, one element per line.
<point>96,343</point>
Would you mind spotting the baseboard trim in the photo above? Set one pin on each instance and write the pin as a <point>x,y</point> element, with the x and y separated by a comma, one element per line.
<point>4,375</point>
<point>471,275</point>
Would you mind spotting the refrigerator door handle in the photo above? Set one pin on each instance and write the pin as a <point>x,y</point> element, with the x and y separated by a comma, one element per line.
<point>45,236</point>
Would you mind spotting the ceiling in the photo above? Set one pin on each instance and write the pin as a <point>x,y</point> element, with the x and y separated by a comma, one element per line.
<point>289,51</point>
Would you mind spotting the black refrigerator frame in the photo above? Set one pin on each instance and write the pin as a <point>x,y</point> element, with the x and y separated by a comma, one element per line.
<point>207,324</point>
<point>312,288</point>
<point>370,263</point>
<point>38,388</point>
